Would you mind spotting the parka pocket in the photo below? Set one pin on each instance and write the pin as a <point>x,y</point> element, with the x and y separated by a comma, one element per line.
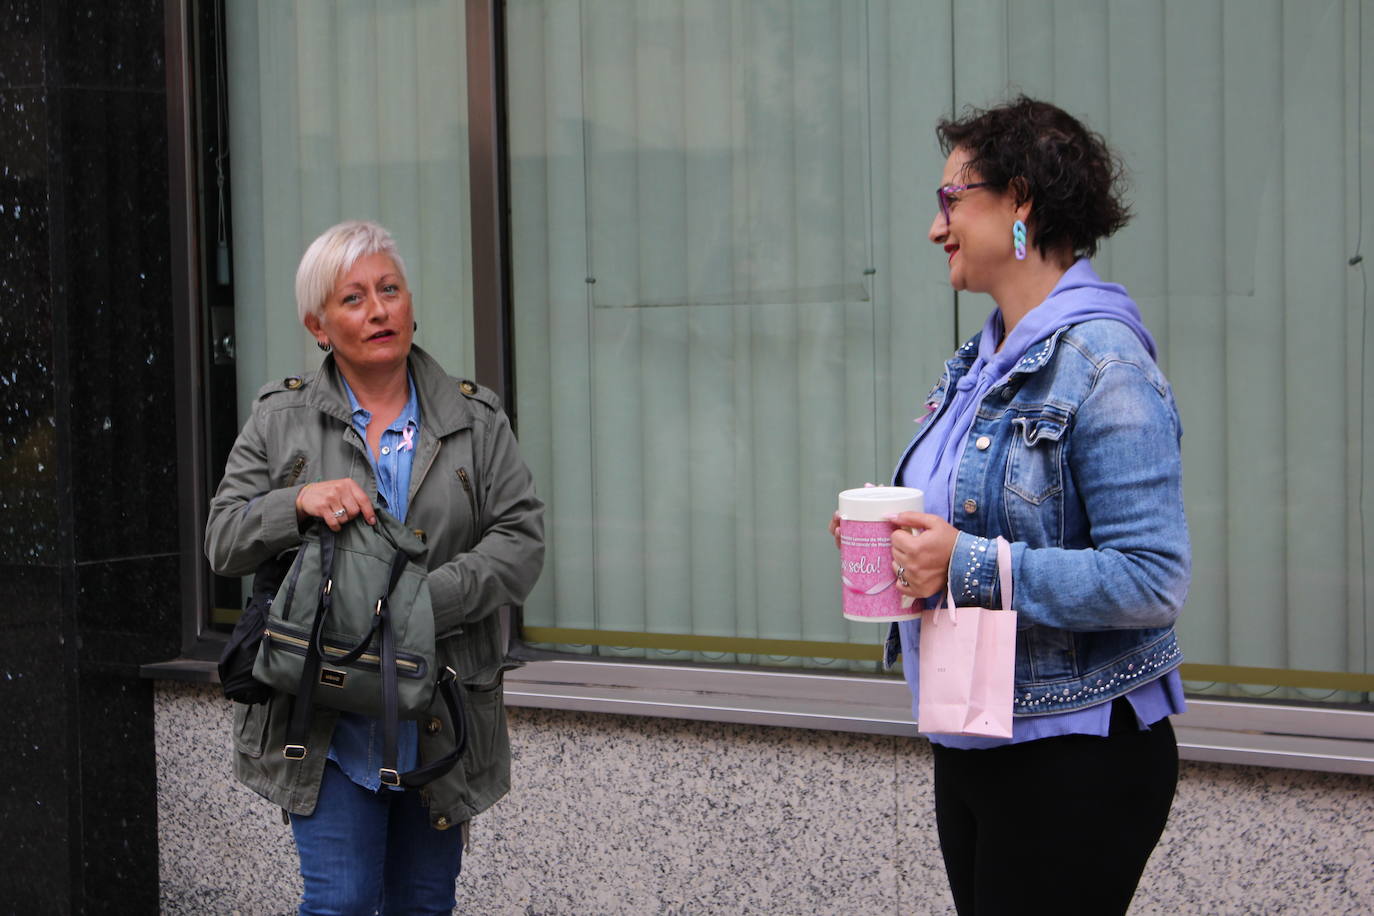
<point>1034,466</point>
<point>250,728</point>
<point>487,742</point>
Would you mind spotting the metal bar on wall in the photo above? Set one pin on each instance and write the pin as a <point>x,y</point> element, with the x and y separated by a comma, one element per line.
<point>1226,674</point>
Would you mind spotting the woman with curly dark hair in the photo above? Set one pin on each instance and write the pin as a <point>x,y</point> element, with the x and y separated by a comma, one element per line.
<point>1054,430</point>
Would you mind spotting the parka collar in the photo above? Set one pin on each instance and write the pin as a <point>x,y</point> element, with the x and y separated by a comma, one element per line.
<point>444,410</point>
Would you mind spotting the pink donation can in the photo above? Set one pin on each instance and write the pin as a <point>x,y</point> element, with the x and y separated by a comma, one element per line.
<point>868,583</point>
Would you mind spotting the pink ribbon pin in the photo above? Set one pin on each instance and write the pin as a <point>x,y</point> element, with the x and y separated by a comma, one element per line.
<point>407,438</point>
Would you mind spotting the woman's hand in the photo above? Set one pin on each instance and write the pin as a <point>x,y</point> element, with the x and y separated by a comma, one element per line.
<point>336,502</point>
<point>922,559</point>
<point>835,528</point>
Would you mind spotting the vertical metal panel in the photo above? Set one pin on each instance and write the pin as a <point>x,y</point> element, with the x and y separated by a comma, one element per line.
<point>188,332</point>
<point>489,198</point>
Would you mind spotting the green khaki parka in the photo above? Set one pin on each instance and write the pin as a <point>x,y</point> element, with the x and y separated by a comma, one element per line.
<point>472,497</point>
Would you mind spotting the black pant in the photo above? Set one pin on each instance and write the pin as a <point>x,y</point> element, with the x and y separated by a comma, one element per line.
<point>1061,825</point>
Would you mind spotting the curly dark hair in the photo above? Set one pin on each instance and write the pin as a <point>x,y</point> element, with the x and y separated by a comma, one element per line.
<point>1043,154</point>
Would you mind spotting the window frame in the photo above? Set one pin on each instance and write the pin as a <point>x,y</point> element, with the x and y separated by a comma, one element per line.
<point>1246,732</point>
<point>200,643</point>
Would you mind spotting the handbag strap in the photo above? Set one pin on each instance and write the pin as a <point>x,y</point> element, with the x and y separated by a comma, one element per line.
<point>391,717</point>
<point>448,689</point>
<point>398,566</point>
<point>298,727</point>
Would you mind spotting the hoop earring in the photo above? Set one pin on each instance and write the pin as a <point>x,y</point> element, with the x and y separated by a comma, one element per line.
<point>324,347</point>
<point>1018,239</point>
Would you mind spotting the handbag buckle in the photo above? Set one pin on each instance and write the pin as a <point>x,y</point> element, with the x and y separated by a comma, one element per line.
<point>389,777</point>
<point>294,752</point>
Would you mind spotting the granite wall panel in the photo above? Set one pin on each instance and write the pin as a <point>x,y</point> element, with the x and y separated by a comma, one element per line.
<point>127,612</point>
<point>117,835</point>
<point>87,448</point>
<point>21,44</point>
<point>119,315</point>
<point>35,673</point>
<point>630,815</point>
<point>112,45</point>
<point>28,434</point>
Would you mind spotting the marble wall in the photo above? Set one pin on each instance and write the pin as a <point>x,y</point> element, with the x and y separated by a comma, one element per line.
<point>88,533</point>
<point>630,815</point>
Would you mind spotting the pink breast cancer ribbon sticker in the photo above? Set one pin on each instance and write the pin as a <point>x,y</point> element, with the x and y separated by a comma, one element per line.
<point>875,590</point>
<point>407,438</point>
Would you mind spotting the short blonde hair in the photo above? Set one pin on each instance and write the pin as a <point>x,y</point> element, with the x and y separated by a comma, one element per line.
<point>333,254</point>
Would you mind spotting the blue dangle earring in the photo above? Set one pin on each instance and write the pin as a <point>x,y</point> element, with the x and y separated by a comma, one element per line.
<point>1018,238</point>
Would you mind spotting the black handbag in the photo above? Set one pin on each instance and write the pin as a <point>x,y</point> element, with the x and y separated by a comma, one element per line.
<point>241,651</point>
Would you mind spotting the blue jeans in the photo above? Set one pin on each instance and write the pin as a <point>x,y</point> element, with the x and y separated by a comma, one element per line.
<point>365,852</point>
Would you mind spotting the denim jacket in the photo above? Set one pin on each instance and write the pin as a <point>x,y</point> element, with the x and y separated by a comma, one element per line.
<point>1075,460</point>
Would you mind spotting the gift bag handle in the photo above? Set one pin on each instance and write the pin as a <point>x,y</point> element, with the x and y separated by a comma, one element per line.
<point>1003,573</point>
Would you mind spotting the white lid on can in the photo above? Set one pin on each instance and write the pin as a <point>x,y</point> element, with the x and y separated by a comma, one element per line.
<point>873,504</point>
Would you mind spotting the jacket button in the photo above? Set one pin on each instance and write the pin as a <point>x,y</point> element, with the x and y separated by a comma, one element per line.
<point>970,506</point>
<point>434,726</point>
<point>982,443</point>
<point>441,822</point>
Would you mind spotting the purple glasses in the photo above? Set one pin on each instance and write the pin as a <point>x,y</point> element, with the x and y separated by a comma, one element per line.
<point>942,194</point>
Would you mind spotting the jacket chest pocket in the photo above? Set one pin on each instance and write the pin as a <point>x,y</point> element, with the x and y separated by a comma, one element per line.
<point>1034,461</point>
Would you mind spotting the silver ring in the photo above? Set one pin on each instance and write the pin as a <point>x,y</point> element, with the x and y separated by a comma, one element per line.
<point>901,576</point>
<point>340,513</point>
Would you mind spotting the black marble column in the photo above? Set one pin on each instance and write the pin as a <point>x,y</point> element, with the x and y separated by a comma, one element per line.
<point>88,539</point>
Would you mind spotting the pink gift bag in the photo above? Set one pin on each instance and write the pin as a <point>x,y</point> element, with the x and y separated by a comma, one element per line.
<point>968,659</point>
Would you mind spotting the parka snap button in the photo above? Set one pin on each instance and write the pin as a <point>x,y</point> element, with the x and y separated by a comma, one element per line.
<point>982,443</point>
<point>434,726</point>
<point>970,506</point>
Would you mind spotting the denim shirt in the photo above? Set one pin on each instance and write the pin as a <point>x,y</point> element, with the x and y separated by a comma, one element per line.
<point>1075,460</point>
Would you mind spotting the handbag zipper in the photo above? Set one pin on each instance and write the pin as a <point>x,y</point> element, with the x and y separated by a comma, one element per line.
<point>371,658</point>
